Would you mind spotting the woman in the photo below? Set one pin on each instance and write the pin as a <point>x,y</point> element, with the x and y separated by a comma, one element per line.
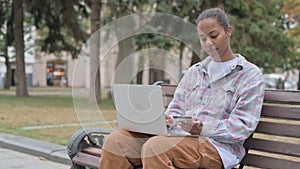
<point>224,95</point>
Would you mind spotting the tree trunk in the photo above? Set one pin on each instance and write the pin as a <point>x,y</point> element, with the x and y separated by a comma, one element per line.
<point>125,72</point>
<point>21,85</point>
<point>181,48</point>
<point>95,81</point>
<point>139,76</point>
<point>299,76</point>
<point>8,70</point>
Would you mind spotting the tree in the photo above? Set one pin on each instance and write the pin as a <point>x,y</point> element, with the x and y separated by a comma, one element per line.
<point>95,83</point>
<point>6,32</point>
<point>291,12</point>
<point>254,22</point>
<point>259,32</point>
<point>188,11</point>
<point>126,46</point>
<point>21,85</point>
<point>155,39</point>
<point>60,24</point>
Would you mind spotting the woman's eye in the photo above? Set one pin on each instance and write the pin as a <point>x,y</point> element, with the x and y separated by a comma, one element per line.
<point>214,36</point>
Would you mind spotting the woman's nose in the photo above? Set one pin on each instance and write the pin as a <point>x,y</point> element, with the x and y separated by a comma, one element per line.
<point>209,42</point>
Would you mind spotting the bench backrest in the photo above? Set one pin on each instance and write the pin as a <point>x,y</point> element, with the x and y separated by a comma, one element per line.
<point>276,141</point>
<point>168,93</point>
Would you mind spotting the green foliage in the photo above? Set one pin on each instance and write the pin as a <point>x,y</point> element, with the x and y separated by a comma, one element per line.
<point>258,32</point>
<point>258,26</point>
<point>290,12</point>
<point>60,24</point>
<point>6,30</point>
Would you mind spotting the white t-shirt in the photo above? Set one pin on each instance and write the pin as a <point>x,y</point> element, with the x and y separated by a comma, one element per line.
<point>217,70</point>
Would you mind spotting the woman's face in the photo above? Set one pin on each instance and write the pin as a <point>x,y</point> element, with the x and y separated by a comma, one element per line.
<point>214,40</point>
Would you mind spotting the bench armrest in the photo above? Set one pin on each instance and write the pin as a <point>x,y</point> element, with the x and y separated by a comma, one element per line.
<point>88,137</point>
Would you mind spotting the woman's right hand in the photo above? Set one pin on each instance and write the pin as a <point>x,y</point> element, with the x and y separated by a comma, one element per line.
<point>169,120</point>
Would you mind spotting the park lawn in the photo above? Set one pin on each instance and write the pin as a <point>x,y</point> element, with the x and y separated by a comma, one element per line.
<point>19,112</point>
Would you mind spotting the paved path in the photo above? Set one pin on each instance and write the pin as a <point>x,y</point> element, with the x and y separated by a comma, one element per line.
<point>10,159</point>
<point>17,152</point>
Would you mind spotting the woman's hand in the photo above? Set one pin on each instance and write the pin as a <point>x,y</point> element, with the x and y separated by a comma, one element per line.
<point>192,126</point>
<point>169,121</point>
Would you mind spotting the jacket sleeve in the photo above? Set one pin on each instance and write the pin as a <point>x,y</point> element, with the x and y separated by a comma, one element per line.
<point>244,117</point>
<point>177,105</point>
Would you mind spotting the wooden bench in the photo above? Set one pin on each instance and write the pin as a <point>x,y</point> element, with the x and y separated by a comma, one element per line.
<point>275,143</point>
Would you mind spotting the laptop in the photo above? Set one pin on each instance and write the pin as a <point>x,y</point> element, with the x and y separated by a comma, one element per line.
<point>140,108</point>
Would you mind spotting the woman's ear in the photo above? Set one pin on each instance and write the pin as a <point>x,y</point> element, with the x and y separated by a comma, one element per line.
<point>229,32</point>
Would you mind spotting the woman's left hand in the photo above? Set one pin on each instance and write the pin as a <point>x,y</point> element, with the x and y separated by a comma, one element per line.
<point>192,126</point>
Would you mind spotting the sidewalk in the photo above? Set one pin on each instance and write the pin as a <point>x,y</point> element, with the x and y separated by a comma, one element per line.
<point>10,159</point>
<point>18,152</point>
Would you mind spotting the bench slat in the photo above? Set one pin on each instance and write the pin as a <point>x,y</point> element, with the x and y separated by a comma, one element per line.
<point>168,93</point>
<point>291,113</point>
<point>167,100</point>
<point>86,160</point>
<point>279,129</point>
<point>168,90</point>
<point>269,162</point>
<point>273,146</point>
<point>92,151</point>
<point>282,96</point>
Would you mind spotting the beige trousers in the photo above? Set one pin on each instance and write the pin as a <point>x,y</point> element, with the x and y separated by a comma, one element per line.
<point>123,150</point>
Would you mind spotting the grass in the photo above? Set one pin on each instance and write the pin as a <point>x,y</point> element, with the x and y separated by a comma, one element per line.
<point>53,106</point>
<point>37,110</point>
<point>37,101</point>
